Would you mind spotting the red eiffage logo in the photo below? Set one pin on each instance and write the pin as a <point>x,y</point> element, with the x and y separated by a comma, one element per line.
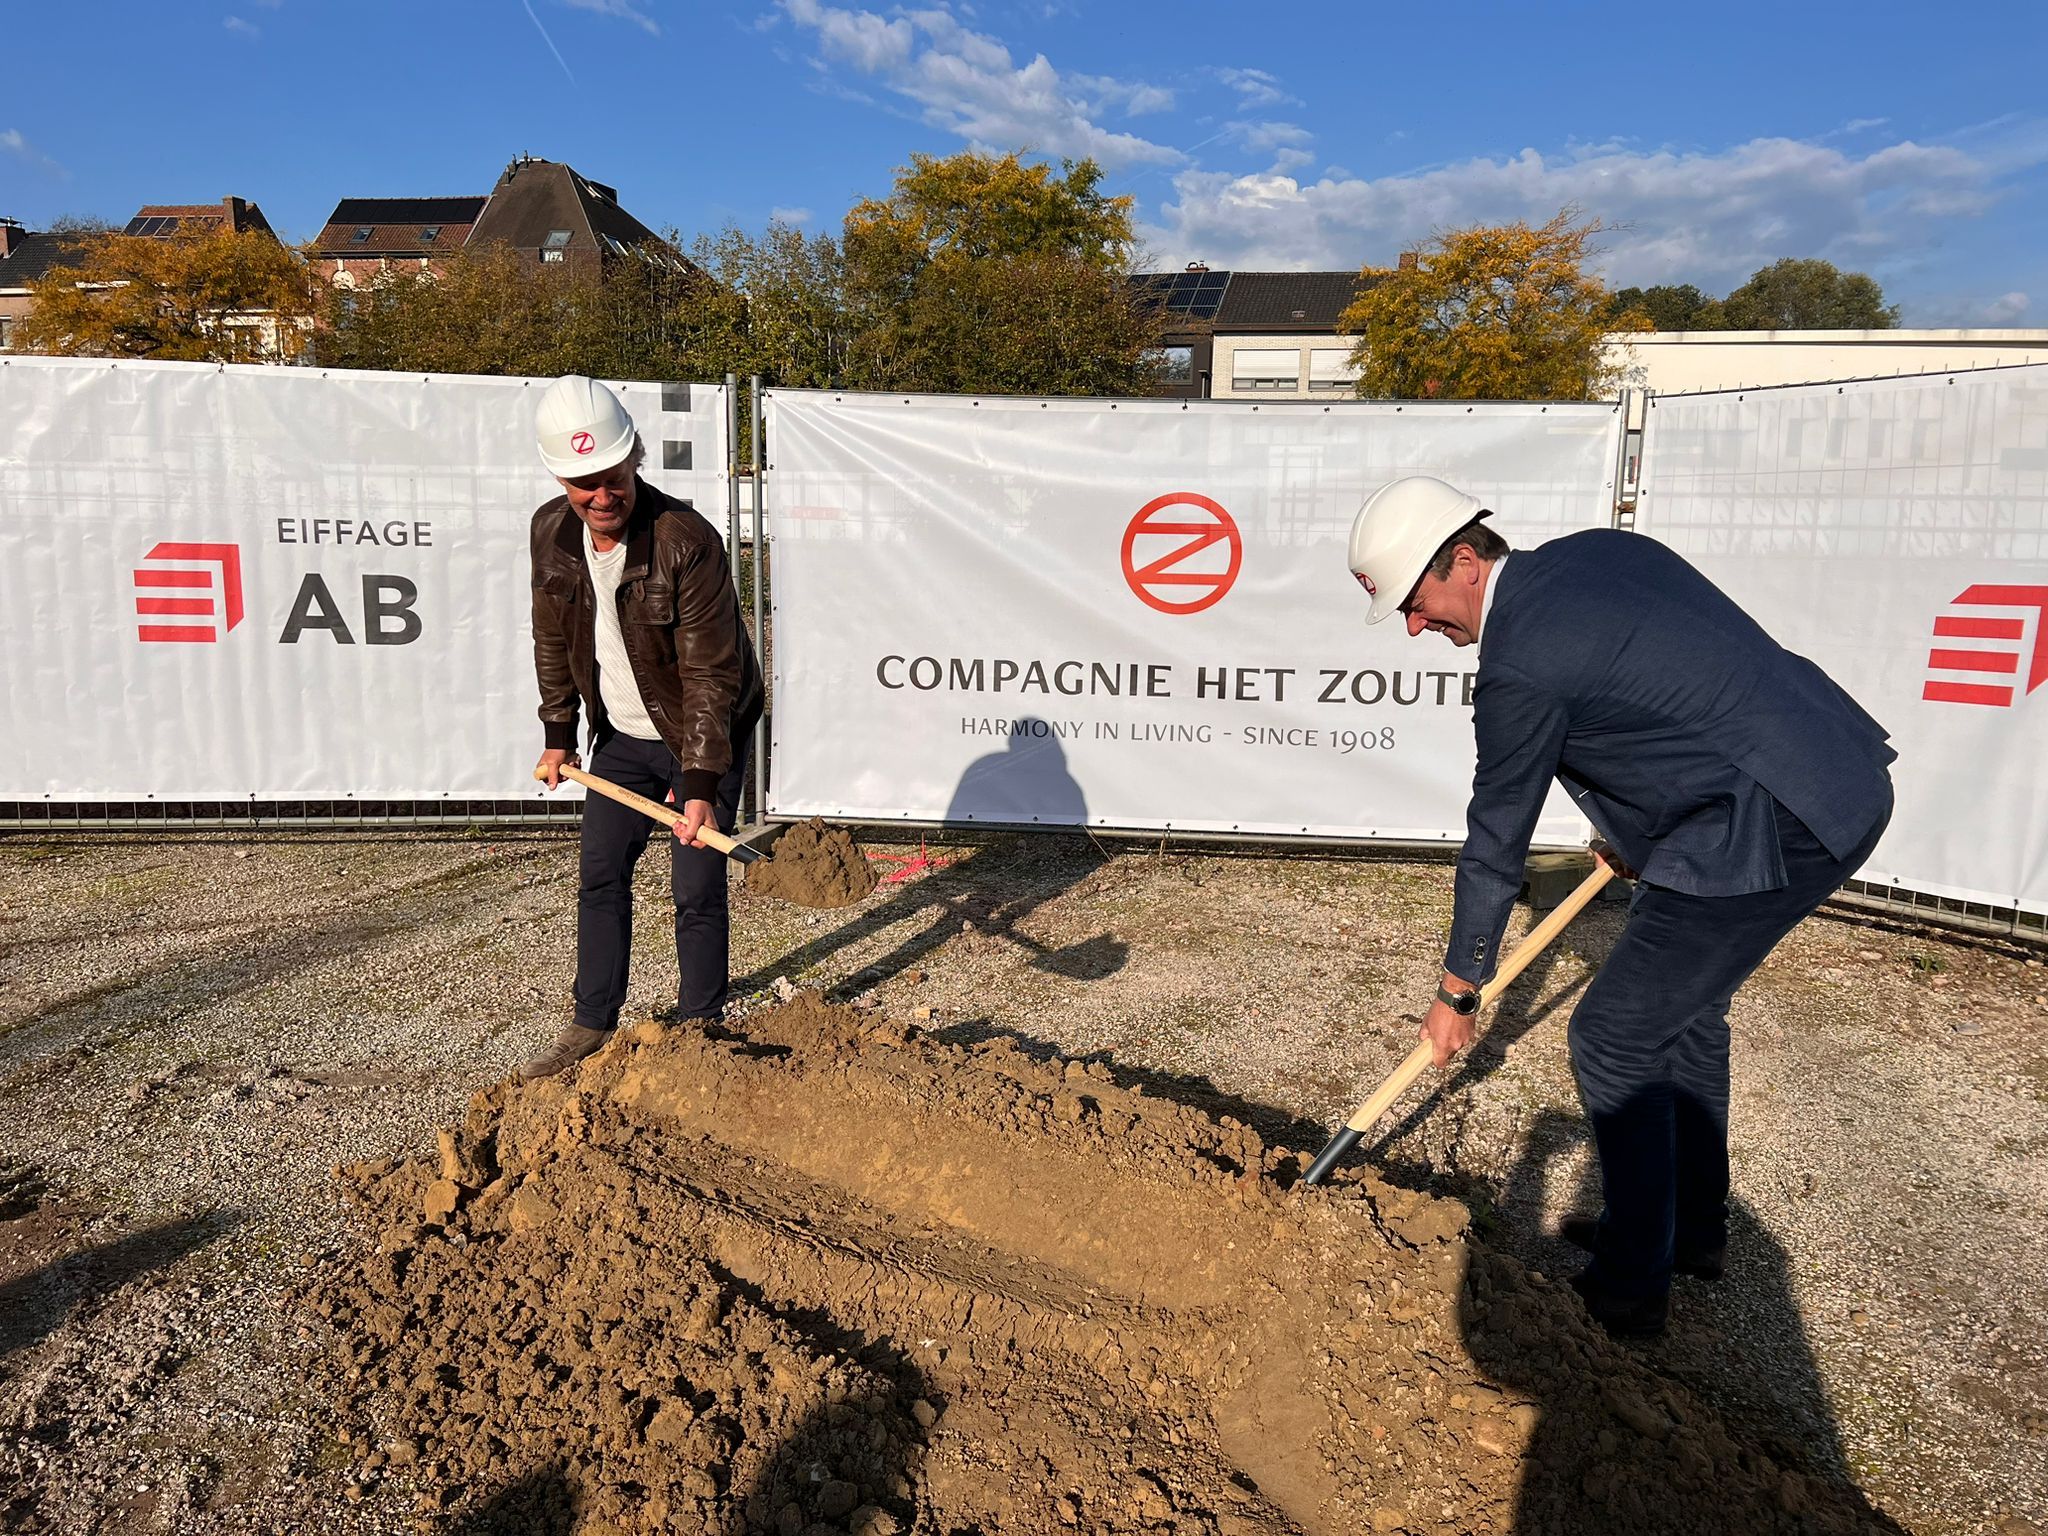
<point>1175,529</point>
<point>1973,675</point>
<point>583,442</point>
<point>188,593</point>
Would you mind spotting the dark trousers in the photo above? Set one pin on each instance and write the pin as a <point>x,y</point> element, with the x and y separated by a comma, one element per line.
<point>613,838</point>
<point>1649,1046</point>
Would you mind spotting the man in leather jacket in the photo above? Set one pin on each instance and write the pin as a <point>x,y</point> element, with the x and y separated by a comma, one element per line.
<point>635,618</point>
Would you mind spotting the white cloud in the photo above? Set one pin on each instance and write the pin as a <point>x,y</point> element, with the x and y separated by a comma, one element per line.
<point>13,142</point>
<point>965,82</point>
<point>1261,138</point>
<point>1971,311</point>
<point>793,216</point>
<point>625,10</point>
<point>239,27</point>
<point>2006,309</point>
<point>1676,215</point>
<point>1257,88</point>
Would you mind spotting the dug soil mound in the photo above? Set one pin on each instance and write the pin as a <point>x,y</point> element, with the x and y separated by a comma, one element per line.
<point>813,865</point>
<point>829,1276</point>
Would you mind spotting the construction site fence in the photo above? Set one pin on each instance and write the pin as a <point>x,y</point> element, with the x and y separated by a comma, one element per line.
<point>1929,490</point>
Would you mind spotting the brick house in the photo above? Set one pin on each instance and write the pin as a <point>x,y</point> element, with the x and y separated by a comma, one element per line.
<point>1252,335</point>
<point>541,208</point>
<point>368,235</point>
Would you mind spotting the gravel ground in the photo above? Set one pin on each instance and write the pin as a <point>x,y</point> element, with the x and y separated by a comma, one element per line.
<point>194,1031</point>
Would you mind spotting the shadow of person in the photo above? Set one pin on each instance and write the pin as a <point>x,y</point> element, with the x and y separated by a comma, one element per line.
<point>539,1503</point>
<point>1738,1343</point>
<point>1026,784</point>
<point>34,1305</point>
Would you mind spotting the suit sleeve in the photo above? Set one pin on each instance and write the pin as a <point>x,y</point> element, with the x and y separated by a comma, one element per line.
<point>1521,731</point>
<point>708,661</point>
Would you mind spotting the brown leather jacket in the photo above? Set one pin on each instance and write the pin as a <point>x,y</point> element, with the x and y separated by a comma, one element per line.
<point>692,659</point>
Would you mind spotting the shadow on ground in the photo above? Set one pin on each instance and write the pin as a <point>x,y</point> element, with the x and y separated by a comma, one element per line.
<point>35,1305</point>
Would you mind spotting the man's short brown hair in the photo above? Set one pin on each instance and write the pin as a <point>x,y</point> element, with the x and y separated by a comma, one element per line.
<point>1482,541</point>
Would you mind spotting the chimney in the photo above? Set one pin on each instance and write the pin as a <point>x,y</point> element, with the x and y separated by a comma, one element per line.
<point>11,235</point>
<point>238,213</point>
<point>1408,261</point>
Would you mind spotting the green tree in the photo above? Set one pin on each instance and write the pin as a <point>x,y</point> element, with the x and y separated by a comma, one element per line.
<point>200,295</point>
<point>1488,313</point>
<point>494,310</point>
<point>981,273</point>
<point>1808,295</point>
<point>1667,307</point>
<point>792,289</point>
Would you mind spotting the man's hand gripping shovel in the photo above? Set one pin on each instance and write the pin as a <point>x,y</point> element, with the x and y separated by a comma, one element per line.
<point>1403,1077</point>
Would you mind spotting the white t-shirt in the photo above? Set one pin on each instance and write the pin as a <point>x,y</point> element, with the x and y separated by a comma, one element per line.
<point>622,701</point>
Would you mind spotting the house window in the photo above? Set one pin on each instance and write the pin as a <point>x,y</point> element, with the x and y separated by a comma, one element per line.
<point>6,333</point>
<point>361,236</point>
<point>1265,368</point>
<point>1171,365</point>
<point>1331,371</point>
<point>430,234</point>
<point>557,240</point>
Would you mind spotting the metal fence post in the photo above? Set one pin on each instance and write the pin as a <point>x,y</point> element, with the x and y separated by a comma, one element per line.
<point>761,640</point>
<point>732,469</point>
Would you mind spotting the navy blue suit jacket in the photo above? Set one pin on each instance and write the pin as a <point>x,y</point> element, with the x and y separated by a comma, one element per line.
<point>1609,663</point>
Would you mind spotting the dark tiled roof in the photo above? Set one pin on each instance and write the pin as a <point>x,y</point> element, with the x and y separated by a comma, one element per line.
<point>535,198</point>
<point>357,211</point>
<point>389,239</point>
<point>29,260</point>
<point>1286,301</point>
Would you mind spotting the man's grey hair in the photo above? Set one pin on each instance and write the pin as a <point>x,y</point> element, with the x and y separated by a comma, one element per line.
<point>1476,536</point>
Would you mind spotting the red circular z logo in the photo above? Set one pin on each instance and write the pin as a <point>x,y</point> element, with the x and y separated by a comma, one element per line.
<point>1175,529</point>
<point>583,442</point>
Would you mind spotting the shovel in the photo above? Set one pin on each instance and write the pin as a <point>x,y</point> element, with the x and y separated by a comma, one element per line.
<point>667,815</point>
<point>1403,1076</point>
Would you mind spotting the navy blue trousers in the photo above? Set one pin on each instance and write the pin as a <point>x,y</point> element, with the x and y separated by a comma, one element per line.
<point>1649,1047</point>
<point>613,839</point>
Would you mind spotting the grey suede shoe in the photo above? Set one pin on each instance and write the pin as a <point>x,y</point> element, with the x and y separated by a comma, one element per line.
<point>571,1046</point>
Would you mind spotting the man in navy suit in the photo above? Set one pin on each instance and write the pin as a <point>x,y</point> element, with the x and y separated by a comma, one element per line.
<point>1737,782</point>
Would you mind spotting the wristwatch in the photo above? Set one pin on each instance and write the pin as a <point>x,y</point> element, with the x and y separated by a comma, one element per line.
<point>1466,1003</point>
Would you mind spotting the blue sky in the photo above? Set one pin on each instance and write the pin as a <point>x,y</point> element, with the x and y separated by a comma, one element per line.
<point>1908,140</point>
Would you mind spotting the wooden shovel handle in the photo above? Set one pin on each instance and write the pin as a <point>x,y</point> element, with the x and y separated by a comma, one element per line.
<point>667,815</point>
<point>1403,1077</point>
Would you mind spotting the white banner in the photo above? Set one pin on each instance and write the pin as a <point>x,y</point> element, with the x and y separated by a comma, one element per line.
<point>283,583</point>
<point>1132,614</point>
<point>1896,532</point>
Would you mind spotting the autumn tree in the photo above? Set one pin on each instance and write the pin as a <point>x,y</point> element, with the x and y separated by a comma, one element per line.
<point>1487,313</point>
<point>985,274</point>
<point>494,310</point>
<point>199,295</point>
<point>1808,295</point>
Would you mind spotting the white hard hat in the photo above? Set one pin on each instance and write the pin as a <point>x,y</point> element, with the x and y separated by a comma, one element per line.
<point>582,427</point>
<point>1400,526</point>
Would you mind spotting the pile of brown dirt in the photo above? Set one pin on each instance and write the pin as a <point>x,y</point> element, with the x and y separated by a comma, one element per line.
<point>829,1276</point>
<point>813,865</point>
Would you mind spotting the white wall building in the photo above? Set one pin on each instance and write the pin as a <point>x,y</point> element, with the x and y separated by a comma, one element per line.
<point>1679,362</point>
